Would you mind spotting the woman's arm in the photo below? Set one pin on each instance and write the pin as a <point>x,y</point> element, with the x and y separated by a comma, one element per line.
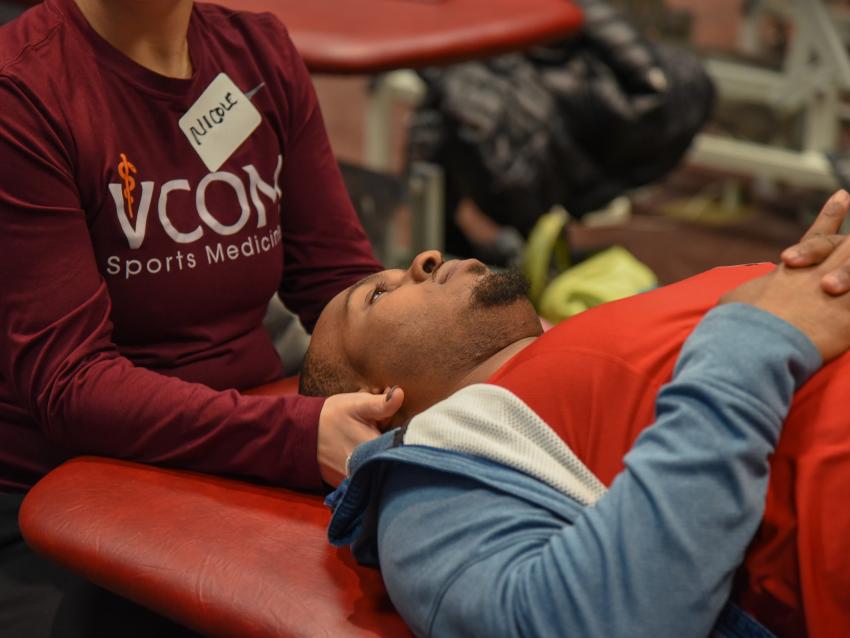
<point>58,357</point>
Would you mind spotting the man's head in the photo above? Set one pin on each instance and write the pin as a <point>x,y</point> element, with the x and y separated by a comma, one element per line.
<point>424,329</point>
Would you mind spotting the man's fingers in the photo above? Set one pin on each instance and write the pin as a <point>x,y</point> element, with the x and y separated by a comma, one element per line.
<point>811,251</point>
<point>837,282</point>
<point>839,256</point>
<point>831,216</point>
<point>821,238</point>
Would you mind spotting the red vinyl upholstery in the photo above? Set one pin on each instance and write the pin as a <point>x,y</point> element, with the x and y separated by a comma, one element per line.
<point>223,557</point>
<point>370,36</point>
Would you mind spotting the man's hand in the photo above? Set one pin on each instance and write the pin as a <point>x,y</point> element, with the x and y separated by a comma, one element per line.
<point>796,295</point>
<point>820,241</point>
<point>346,421</point>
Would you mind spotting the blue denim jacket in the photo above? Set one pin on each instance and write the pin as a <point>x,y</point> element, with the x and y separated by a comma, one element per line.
<point>469,547</point>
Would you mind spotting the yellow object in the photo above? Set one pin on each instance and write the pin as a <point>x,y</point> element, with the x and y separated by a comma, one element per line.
<point>609,275</point>
<point>612,274</point>
<point>547,242</point>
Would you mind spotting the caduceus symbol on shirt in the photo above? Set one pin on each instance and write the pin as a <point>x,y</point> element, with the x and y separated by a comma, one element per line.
<point>125,167</point>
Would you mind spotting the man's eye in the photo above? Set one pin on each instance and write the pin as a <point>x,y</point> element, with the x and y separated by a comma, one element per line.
<point>376,293</point>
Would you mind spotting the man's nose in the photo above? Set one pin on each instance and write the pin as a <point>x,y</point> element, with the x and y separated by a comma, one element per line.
<point>424,264</point>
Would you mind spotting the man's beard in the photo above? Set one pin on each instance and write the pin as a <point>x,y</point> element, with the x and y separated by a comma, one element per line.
<point>496,289</point>
<point>497,316</point>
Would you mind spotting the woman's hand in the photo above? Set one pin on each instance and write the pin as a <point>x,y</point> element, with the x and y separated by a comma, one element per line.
<point>346,421</point>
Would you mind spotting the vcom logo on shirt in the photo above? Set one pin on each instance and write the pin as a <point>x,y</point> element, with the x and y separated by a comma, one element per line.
<point>134,214</point>
<point>135,224</point>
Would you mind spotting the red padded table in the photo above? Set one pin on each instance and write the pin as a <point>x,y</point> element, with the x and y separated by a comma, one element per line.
<point>223,557</point>
<point>372,36</point>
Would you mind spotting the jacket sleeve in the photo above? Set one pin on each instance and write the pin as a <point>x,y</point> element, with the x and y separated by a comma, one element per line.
<point>57,354</point>
<point>325,247</point>
<point>653,557</point>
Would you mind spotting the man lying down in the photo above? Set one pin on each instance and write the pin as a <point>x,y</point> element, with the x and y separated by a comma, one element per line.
<point>508,508</point>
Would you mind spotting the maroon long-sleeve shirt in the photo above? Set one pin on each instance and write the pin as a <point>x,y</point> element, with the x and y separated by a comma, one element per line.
<point>145,221</point>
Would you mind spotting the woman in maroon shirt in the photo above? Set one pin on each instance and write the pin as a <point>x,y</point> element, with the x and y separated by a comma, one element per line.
<point>165,171</point>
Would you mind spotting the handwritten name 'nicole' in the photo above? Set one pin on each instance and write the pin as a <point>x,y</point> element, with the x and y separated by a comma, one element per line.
<point>212,118</point>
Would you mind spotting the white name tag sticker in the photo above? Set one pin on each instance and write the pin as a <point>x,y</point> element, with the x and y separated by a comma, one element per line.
<point>219,121</point>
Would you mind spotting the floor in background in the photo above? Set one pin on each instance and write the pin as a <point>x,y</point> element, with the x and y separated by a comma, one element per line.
<point>675,248</point>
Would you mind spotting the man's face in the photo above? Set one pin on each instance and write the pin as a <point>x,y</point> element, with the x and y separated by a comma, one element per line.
<point>418,327</point>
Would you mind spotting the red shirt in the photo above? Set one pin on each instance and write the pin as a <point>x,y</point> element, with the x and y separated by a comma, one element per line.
<point>134,276</point>
<point>594,379</point>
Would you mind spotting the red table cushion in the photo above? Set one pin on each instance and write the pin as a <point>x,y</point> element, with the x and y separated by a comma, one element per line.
<point>223,557</point>
<point>370,36</point>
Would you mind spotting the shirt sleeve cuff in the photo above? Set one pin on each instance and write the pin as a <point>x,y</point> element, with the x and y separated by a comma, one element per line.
<point>302,455</point>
